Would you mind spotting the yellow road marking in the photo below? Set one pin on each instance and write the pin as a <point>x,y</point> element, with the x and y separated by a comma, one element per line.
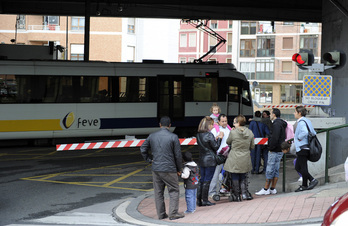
<point>121,178</point>
<point>85,184</point>
<point>3,154</point>
<point>38,157</point>
<point>92,153</point>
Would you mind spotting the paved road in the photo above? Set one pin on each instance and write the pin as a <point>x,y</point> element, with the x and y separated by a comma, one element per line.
<point>38,182</point>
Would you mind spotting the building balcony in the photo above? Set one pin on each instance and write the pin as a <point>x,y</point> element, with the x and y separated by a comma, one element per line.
<point>43,27</point>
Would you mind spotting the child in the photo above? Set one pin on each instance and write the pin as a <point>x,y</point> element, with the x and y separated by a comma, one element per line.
<point>190,176</point>
<point>285,146</point>
<point>215,110</point>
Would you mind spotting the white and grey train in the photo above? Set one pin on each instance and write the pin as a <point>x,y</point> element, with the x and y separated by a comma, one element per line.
<point>64,99</point>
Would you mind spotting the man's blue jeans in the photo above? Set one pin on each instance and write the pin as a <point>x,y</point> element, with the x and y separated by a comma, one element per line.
<point>190,197</point>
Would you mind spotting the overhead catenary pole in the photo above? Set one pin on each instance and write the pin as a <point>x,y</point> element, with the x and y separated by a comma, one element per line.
<point>87,29</point>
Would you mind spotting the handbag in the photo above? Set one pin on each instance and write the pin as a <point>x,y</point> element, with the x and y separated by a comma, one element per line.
<point>314,145</point>
<point>219,158</point>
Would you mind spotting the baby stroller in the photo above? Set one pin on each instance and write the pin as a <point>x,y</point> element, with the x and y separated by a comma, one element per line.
<point>224,190</point>
<point>236,190</point>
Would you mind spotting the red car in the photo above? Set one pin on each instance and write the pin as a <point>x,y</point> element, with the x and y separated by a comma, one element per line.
<point>337,214</point>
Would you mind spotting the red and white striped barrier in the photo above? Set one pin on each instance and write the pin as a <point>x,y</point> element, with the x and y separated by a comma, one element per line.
<point>283,106</point>
<point>261,141</point>
<point>129,143</point>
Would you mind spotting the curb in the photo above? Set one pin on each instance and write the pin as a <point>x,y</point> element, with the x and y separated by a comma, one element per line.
<point>127,211</point>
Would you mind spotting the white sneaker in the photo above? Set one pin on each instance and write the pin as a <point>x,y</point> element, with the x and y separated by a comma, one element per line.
<point>300,179</point>
<point>263,192</point>
<point>273,192</point>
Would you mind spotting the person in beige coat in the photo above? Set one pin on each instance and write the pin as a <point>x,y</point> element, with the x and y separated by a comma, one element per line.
<point>238,162</point>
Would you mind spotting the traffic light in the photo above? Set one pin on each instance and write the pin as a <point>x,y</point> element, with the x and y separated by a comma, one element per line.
<point>301,59</point>
<point>332,58</point>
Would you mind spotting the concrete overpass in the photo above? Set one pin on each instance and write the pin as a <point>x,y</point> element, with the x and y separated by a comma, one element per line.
<point>333,15</point>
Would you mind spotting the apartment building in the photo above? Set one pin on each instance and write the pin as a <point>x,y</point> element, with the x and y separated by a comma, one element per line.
<point>111,38</point>
<point>262,50</point>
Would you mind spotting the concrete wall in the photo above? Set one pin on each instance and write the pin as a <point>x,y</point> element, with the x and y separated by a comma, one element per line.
<point>334,37</point>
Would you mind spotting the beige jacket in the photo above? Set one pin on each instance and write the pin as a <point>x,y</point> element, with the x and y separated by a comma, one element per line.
<point>241,141</point>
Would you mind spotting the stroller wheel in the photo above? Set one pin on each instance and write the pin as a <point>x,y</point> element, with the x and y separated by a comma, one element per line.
<point>216,197</point>
<point>230,198</point>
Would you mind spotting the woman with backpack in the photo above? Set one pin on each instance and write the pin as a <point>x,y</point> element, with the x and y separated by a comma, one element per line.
<point>302,148</point>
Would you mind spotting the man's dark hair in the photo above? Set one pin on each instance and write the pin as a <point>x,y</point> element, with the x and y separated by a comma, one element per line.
<point>221,116</point>
<point>267,112</point>
<point>258,114</point>
<point>276,111</point>
<point>187,156</point>
<point>165,121</point>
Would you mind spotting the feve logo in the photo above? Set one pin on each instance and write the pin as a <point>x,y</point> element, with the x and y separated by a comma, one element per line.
<point>69,120</point>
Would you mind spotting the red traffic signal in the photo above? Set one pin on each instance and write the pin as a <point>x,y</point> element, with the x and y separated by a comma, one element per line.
<point>300,58</point>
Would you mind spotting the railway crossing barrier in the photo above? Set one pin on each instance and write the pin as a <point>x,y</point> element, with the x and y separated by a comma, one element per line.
<point>129,143</point>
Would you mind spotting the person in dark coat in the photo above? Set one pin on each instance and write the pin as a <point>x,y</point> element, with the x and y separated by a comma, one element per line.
<point>259,130</point>
<point>166,162</point>
<point>208,145</point>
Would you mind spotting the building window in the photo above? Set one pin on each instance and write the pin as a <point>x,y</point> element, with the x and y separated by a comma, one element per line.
<point>76,57</point>
<point>192,40</point>
<point>51,20</point>
<point>78,23</point>
<point>229,42</point>
<point>286,66</point>
<point>130,53</point>
<point>291,93</point>
<point>248,69</point>
<point>20,21</point>
<point>309,42</point>
<point>230,24</point>
<point>183,40</point>
<point>213,24</point>
<point>191,59</point>
<point>263,94</point>
<point>288,43</point>
<point>77,52</point>
<point>265,69</point>
<point>247,48</point>
<point>288,23</point>
<point>229,60</point>
<point>248,28</point>
<point>183,60</point>
<point>265,46</point>
<point>131,26</point>
<point>265,27</point>
<point>212,44</point>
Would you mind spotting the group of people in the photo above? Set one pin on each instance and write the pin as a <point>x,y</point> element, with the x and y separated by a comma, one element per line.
<point>215,137</point>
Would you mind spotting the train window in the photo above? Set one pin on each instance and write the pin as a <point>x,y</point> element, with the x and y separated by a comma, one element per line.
<point>134,89</point>
<point>205,89</point>
<point>8,88</point>
<point>246,97</point>
<point>233,93</point>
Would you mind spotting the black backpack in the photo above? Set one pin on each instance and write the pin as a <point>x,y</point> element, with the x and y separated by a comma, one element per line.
<point>314,145</point>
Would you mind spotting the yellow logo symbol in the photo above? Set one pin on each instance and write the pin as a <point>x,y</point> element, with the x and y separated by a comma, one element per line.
<point>69,119</point>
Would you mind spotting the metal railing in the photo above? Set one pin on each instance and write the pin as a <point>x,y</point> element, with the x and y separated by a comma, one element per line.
<point>327,130</point>
<point>43,27</point>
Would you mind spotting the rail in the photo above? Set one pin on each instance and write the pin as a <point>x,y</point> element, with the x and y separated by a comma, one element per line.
<point>327,130</point>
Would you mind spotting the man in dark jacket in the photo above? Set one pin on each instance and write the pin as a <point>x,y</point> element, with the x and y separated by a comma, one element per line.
<point>166,162</point>
<point>275,153</point>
